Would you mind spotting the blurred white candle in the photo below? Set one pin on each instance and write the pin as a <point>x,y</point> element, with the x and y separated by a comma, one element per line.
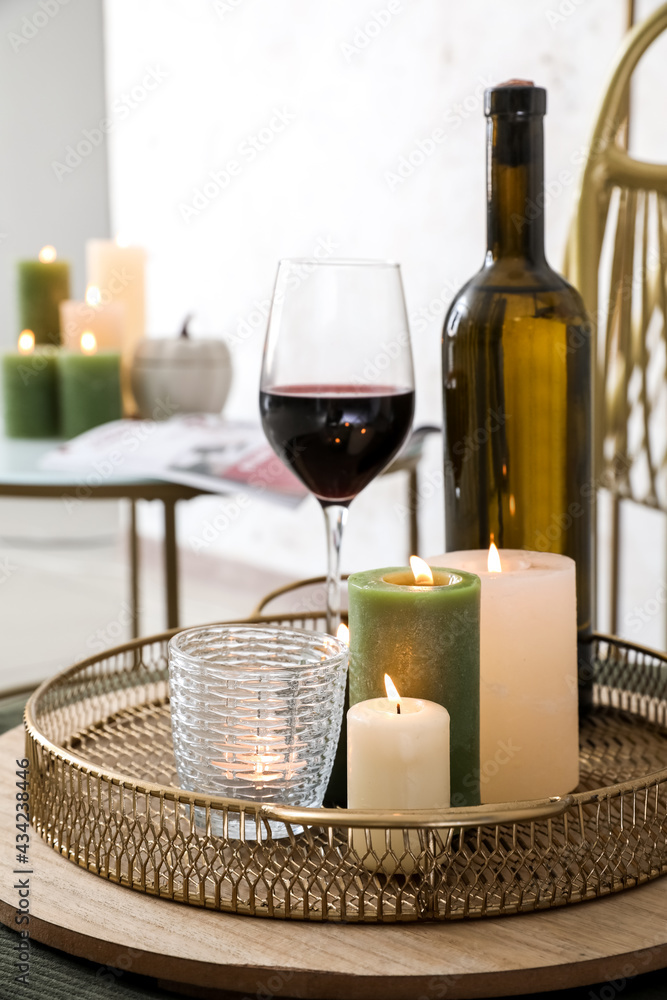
<point>396,760</point>
<point>118,271</point>
<point>91,316</point>
<point>529,728</point>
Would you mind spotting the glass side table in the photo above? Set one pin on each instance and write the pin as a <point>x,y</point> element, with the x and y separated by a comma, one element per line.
<point>21,476</point>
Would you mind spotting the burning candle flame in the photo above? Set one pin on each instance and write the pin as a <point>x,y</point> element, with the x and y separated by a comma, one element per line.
<point>26,342</point>
<point>254,766</point>
<point>392,693</point>
<point>47,254</point>
<point>493,564</point>
<point>391,688</point>
<point>261,763</point>
<point>122,240</point>
<point>343,634</point>
<point>88,342</point>
<point>93,295</point>
<point>421,572</point>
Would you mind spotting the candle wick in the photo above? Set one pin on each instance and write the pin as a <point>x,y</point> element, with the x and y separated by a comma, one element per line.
<point>398,708</point>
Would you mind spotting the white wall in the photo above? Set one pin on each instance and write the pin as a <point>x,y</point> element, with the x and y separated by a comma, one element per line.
<point>52,86</point>
<point>355,105</point>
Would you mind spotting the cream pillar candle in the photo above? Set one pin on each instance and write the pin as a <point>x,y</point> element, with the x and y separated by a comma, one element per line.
<point>529,736</point>
<point>106,322</point>
<point>397,758</point>
<point>118,272</point>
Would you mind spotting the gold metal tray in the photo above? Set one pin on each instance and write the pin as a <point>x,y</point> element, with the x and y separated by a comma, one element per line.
<point>103,794</point>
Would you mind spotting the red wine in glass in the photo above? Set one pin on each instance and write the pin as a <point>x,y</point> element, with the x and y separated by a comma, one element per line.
<point>336,438</point>
<point>337,384</point>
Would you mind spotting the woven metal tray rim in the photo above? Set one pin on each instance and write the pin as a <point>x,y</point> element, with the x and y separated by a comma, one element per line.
<point>475,862</point>
<point>471,816</point>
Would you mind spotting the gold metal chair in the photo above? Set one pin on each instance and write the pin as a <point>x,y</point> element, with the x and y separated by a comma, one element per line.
<point>617,258</point>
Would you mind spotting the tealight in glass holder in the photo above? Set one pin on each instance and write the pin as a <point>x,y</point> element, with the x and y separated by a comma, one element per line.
<point>256,715</point>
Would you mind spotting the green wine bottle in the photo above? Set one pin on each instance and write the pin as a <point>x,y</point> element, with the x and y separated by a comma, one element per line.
<point>516,353</point>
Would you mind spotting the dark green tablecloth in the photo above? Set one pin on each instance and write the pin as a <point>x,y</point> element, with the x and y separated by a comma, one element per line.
<point>56,976</point>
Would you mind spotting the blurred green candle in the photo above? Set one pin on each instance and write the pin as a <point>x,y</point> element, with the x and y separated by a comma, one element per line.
<point>30,390</point>
<point>42,285</point>
<point>426,637</point>
<point>89,386</point>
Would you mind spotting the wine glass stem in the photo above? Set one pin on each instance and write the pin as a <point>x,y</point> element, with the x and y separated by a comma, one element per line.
<point>335,516</point>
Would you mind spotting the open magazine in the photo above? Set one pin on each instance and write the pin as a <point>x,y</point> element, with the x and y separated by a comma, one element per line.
<point>199,450</point>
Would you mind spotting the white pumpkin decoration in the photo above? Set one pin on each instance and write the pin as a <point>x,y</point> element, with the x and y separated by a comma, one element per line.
<point>173,375</point>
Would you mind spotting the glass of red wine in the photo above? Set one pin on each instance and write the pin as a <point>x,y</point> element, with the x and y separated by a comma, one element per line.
<point>337,389</point>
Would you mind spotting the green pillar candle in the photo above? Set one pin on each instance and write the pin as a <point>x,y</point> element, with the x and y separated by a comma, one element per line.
<point>30,394</point>
<point>89,387</point>
<point>42,285</point>
<point>427,639</point>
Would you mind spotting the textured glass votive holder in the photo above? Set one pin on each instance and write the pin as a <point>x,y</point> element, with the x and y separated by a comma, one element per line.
<point>256,714</point>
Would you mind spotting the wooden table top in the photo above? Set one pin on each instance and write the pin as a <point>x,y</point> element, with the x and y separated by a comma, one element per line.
<point>79,913</point>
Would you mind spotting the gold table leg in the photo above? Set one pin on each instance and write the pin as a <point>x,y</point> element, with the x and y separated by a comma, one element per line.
<point>615,563</point>
<point>134,570</point>
<point>171,563</point>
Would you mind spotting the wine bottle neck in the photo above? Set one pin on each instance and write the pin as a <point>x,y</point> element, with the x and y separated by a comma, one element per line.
<point>515,188</point>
